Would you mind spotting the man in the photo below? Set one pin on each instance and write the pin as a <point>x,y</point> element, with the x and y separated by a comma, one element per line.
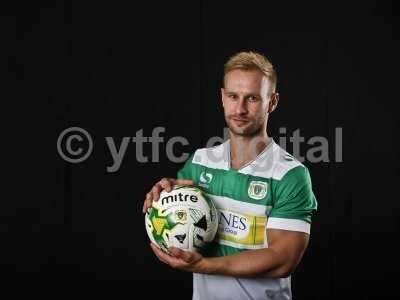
<point>263,195</point>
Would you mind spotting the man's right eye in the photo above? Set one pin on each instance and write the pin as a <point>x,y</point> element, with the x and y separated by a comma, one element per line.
<point>233,97</point>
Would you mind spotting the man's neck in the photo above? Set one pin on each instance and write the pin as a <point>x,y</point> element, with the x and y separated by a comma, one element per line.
<point>246,149</point>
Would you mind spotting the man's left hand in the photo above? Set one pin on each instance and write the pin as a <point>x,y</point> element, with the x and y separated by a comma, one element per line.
<point>180,259</point>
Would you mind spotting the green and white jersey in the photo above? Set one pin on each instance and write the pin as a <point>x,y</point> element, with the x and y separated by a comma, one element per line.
<point>272,191</point>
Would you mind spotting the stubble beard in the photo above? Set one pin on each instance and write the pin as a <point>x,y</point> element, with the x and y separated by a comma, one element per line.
<point>253,129</point>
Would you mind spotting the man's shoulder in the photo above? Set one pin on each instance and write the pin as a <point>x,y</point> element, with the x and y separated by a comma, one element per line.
<point>274,163</point>
<point>212,157</point>
<point>285,162</point>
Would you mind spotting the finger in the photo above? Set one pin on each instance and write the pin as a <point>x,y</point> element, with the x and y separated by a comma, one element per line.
<point>168,259</point>
<point>157,254</point>
<point>147,202</point>
<point>185,182</point>
<point>166,184</point>
<point>157,251</point>
<point>180,254</point>
<point>165,258</point>
<point>155,192</point>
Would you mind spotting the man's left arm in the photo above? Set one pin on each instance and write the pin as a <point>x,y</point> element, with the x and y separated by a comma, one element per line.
<point>284,252</point>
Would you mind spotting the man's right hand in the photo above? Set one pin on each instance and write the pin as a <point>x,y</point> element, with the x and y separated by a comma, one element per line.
<point>164,184</point>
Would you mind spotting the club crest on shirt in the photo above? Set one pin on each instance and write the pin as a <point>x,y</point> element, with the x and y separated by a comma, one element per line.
<point>257,190</point>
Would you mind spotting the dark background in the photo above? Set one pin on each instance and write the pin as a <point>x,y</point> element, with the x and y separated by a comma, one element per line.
<point>114,69</point>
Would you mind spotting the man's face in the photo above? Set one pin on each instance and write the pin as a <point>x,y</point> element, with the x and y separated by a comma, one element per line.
<point>246,98</point>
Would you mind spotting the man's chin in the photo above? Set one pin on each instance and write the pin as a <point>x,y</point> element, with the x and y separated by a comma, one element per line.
<point>247,131</point>
<point>241,131</point>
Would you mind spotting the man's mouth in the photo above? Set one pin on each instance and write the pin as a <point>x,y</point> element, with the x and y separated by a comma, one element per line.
<point>240,121</point>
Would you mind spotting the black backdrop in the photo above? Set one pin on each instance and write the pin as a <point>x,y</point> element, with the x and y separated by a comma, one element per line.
<point>114,69</point>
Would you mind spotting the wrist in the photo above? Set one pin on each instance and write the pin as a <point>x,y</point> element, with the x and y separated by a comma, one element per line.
<point>210,265</point>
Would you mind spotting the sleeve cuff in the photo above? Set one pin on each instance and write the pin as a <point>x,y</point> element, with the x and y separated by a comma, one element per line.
<point>288,224</point>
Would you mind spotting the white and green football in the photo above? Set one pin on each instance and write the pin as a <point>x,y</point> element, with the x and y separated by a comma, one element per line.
<point>184,218</point>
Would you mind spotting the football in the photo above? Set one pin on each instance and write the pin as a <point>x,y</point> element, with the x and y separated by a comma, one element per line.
<point>184,218</point>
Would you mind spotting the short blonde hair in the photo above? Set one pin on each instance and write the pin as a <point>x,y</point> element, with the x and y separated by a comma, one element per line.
<point>252,61</point>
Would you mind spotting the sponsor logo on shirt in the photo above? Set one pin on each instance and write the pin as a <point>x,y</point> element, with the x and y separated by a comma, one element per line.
<point>241,230</point>
<point>257,190</point>
<point>233,224</point>
<point>205,179</point>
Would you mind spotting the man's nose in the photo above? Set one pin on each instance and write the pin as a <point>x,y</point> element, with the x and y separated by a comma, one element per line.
<point>241,107</point>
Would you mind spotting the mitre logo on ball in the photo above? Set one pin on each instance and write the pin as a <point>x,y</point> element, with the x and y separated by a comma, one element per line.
<point>184,218</point>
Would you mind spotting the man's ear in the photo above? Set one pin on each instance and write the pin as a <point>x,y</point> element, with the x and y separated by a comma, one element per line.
<point>222,96</point>
<point>273,103</point>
